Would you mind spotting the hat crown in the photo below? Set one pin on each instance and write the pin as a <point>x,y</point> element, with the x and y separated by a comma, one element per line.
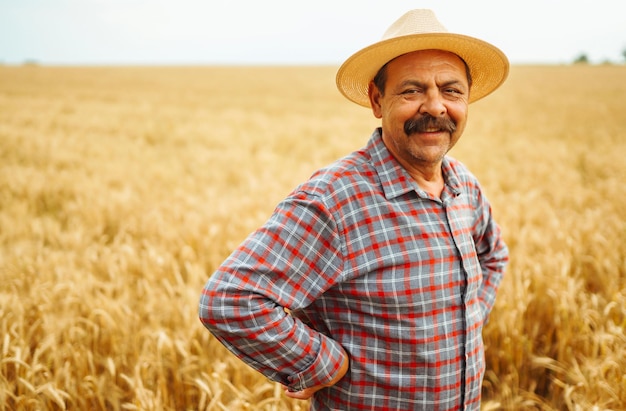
<point>418,21</point>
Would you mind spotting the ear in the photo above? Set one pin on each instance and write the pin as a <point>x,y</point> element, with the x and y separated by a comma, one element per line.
<point>375,96</point>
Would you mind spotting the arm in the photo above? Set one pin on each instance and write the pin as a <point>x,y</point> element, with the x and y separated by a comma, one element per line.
<point>287,263</point>
<point>308,392</point>
<point>493,254</point>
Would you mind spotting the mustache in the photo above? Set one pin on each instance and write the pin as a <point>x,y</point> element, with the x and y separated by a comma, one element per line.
<point>427,122</point>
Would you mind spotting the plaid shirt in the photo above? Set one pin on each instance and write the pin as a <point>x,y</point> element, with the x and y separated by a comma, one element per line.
<point>364,259</point>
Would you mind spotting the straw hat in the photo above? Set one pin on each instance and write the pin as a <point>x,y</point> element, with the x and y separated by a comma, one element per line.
<point>420,30</point>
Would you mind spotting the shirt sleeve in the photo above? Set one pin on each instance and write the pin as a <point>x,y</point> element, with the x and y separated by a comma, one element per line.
<point>284,265</point>
<point>493,254</point>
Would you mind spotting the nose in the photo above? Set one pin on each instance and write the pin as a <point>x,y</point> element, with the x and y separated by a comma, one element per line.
<point>433,104</point>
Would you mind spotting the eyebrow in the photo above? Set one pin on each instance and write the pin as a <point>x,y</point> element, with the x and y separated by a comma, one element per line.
<point>423,85</point>
<point>412,83</point>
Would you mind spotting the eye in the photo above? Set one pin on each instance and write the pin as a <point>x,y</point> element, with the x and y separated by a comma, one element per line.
<point>411,91</point>
<point>453,93</point>
<point>451,90</point>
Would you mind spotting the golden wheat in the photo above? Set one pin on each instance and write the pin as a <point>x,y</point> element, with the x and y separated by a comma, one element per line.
<point>122,189</point>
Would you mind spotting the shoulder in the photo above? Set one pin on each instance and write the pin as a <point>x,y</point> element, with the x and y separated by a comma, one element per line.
<point>458,168</point>
<point>455,169</point>
<point>462,180</point>
<point>344,177</point>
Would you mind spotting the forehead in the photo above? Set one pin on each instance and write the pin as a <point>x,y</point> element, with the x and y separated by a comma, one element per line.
<point>438,61</point>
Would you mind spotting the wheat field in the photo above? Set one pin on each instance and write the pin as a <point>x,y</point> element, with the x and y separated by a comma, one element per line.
<point>123,188</point>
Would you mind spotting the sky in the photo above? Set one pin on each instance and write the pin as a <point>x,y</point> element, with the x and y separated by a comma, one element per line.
<point>204,32</point>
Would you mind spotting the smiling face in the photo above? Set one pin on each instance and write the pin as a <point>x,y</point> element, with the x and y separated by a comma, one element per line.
<point>423,107</point>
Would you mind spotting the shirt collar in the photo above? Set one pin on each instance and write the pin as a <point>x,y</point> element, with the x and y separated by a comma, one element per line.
<point>394,178</point>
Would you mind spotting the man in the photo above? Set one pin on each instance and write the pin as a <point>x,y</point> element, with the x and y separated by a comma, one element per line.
<point>369,286</point>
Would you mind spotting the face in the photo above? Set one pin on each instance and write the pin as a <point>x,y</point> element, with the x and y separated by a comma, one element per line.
<point>423,107</point>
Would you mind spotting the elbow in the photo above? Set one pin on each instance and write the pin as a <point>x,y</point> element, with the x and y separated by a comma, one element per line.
<point>220,307</point>
<point>209,309</point>
<point>204,310</point>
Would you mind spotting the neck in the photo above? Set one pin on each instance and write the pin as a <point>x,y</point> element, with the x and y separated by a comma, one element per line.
<point>430,179</point>
<point>428,176</point>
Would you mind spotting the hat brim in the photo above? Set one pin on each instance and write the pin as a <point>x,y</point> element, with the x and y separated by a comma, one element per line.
<point>488,66</point>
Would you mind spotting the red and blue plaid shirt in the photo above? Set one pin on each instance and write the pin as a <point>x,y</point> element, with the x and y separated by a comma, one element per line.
<point>362,258</point>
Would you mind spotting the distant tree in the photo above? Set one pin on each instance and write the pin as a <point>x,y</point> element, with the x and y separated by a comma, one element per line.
<point>624,53</point>
<point>582,59</point>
